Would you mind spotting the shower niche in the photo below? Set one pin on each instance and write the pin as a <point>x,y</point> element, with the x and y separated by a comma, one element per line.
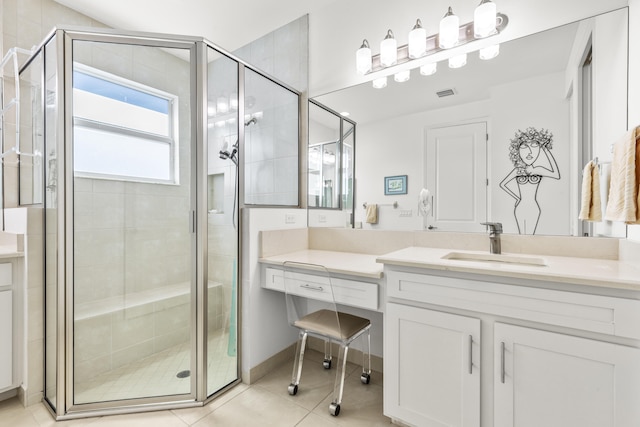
<point>141,213</point>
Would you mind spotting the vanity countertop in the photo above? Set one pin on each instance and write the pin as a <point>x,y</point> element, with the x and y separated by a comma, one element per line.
<point>10,252</point>
<point>349,263</point>
<point>573,270</point>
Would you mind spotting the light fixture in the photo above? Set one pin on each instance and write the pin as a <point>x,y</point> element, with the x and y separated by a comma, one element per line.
<point>429,69</point>
<point>489,52</point>
<point>484,19</point>
<point>222,104</point>
<point>487,23</point>
<point>449,30</point>
<point>388,50</point>
<point>379,83</point>
<point>211,109</point>
<point>458,61</point>
<point>363,58</point>
<point>345,114</point>
<point>417,41</point>
<point>402,76</point>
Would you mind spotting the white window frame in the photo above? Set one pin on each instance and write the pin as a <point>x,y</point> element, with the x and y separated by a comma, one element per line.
<point>171,139</point>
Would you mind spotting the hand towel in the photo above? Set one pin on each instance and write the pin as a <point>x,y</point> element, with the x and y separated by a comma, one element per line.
<point>372,213</point>
<point>625,174</point>
<point>590,208</point>
<point>424,202</point>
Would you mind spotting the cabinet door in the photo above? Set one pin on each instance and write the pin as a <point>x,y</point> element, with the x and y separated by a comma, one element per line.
<point>555,380</point>
<point>431,366</point>
<point>6,337</point>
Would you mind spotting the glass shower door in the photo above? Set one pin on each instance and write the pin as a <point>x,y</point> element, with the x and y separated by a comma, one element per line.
<point>133,231</point>
<point>223,150</point>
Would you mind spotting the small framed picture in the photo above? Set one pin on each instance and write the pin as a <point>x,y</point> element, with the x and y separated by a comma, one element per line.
<point>395,185</point>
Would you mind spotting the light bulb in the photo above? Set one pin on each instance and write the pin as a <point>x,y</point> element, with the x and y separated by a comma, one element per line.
<point>449,29</point>
<point>458,61</point>
<point>417,41</point>
<point>429,69</point>
<point>380,83</point>
<point>222,104</point>
<point>388,50</point>
<point>363,58</point>
<point>484,19</point>
<point>402,76</point>
<point>489,52</point>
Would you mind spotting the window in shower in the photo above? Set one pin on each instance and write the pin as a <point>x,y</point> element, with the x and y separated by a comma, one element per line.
<point>122,129</point>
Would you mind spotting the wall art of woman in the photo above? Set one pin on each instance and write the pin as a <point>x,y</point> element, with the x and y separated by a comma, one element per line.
<point>530,153</point>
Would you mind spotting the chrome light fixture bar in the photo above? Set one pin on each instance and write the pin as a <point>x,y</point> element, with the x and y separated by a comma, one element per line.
<point>466,34</point>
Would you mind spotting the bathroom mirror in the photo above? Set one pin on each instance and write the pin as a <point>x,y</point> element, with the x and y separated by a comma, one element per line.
<point>331,164</point>
<point>568,83</point>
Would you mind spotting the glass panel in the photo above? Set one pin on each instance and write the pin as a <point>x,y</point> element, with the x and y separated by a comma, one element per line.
<point>31,137</point>
<point>348,164</point>
<point>324,139</point>
<point>222,221</point>
<point>132,240</point>
<point>271,143</point>
<point>51,221</point>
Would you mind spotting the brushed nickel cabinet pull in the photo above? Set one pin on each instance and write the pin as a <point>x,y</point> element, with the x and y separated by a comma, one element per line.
<point>502,362</point>
<point>470,354</point>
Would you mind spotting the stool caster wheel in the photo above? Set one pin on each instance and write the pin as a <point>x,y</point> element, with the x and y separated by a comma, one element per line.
<point>334,409</point>
<point>293,389</point>
<point>365,378</point>
<point>326,363</point>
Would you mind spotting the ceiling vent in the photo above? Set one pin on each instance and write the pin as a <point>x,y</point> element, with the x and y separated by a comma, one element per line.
<point>445,92</point>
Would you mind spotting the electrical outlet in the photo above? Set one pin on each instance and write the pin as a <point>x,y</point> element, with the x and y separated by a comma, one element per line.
<point>289,219</point>
<point>322,218</point>
<point>406,213</point>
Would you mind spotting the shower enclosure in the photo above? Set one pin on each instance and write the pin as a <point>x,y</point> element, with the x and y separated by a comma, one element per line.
<point>139,141</point>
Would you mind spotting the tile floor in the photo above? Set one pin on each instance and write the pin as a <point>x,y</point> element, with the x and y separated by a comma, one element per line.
<point>264,403</point>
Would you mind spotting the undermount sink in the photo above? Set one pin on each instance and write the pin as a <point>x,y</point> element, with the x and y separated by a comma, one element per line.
<point>502,258</point>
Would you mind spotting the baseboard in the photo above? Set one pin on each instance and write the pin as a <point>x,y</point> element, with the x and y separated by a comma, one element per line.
<point>354,355</point>
<point>286,356</point>
<point>8,394</point>
<point>269,365</point>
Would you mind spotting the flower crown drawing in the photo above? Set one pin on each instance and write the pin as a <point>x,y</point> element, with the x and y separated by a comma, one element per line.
<point>542,137</point>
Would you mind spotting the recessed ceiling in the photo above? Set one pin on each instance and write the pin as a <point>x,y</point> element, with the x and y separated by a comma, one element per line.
<point>229,24</point>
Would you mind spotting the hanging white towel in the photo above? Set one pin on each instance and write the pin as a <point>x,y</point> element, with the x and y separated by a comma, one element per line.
<point>590,207</point>
<point>372,213</point>
<point>625,175</point>
<point>424,202</point>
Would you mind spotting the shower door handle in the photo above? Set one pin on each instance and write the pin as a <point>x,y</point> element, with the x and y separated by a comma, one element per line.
<point>192,222</point>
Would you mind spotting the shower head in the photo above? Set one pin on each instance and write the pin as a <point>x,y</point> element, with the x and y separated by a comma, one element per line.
<point>252,121</point>
<point>233,155</point>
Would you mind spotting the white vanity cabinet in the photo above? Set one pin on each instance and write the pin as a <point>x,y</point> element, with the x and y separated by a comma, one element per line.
<point>433,359</point>
<point>547,357</point>
<point>6,327</point>
<point>548,379</point>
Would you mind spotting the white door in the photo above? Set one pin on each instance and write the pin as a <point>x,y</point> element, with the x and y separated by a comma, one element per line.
<point>431,365</point>
<point>456,175</point>
<point>554,380</point>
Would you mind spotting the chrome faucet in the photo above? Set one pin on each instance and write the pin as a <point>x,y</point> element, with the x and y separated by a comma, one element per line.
<point>495,229</point>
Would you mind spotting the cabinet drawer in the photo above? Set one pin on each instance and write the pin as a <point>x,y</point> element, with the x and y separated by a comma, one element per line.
<point>609,315</point>
<point>347,292</point>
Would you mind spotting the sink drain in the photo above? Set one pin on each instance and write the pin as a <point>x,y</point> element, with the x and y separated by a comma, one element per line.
<point>184,374</point>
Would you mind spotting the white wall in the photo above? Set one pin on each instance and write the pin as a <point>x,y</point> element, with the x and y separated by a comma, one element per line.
<point>265,329</point>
